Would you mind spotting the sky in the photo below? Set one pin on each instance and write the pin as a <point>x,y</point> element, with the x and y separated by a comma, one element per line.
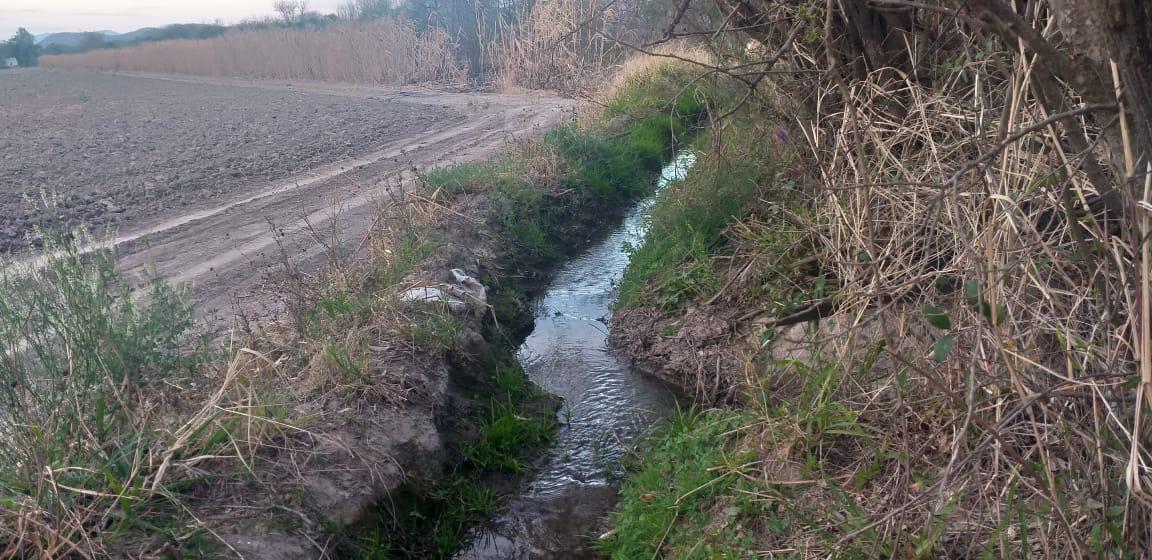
<point>51,16</point>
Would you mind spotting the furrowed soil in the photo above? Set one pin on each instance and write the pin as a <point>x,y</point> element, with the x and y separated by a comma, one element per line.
<point>219,182</point>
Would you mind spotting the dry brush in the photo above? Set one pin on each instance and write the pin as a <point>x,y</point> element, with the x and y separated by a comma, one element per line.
<point>977,195</point>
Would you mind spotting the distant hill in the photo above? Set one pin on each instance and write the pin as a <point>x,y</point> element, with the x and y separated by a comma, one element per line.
<point>69,38</point>
<point>73,42</point>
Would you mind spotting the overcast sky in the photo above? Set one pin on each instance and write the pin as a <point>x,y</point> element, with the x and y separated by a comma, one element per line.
<point>50,16</point>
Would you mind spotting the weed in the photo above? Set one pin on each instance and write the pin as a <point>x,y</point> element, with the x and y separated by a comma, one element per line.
<point>411,247</point>
<point>433,328</point>
<point>95,381</point>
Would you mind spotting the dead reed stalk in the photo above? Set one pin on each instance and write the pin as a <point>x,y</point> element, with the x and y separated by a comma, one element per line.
<point>384,51</point>
<point>962,202</point>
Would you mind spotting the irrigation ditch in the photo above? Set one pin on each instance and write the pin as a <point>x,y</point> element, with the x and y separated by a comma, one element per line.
<point>546,411</point>
<point>404,406</point>
<point>606,408</point>
<point>535,413</point>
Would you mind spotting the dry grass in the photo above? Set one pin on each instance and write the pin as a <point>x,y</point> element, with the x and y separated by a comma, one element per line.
<point>979,383</point>
<point>1017,417</point>
<point>640,67</point>
<point>384,51</point>
<point>558,45</point>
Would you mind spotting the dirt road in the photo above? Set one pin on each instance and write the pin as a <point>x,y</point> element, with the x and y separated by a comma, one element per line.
<point>226,232</point>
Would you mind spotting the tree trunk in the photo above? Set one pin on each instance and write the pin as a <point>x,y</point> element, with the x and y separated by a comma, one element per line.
<point>1104,31</point>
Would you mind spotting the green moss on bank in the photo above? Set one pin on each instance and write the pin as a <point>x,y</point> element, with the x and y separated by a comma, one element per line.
<point>669,501</point>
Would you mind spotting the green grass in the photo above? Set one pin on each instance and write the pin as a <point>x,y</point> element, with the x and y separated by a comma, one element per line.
<point>700,492</point>
<point>586,167</point>
<point>682,483</point>
<point>696,493</point>
<point>673,265</point>
<point>82,353</point>
<point>512,424</point>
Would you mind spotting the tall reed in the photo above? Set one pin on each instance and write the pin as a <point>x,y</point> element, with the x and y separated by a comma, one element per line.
<point>384,51</point>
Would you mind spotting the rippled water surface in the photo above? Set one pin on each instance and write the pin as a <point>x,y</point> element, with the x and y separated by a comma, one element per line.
<point>607,407</point>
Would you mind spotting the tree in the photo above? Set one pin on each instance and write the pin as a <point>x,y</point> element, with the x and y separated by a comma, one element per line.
<point>90,41</point>
<point>22,47</point>
<point>291,11</point>
<point>366,10</point>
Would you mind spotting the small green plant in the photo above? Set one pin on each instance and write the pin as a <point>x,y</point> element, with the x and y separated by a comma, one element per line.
<point>83,354</point>
<point>433,328</point>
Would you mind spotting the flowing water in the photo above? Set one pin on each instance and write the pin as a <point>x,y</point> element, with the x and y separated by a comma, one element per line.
<point>607,407</point>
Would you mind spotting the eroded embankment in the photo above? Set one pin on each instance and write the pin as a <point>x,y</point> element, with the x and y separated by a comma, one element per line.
<point>410,481</point>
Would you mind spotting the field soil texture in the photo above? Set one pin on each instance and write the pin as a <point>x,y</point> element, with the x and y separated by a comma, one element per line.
<point>217,182</point>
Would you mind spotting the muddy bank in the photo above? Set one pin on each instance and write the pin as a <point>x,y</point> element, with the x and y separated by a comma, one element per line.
<point>700,350</point>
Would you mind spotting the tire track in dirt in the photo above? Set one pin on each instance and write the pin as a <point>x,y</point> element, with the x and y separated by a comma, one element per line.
<point>228,253</point>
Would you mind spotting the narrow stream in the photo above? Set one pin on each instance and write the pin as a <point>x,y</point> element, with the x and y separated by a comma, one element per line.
<point>607,408</point>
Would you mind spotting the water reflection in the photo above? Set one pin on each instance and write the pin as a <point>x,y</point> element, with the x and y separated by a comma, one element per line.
<point>606,407</point>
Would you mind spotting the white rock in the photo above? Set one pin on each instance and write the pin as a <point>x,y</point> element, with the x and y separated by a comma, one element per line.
<point>456,295</point>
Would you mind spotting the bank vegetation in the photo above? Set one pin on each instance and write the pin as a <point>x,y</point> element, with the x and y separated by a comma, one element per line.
<point>911,273</point>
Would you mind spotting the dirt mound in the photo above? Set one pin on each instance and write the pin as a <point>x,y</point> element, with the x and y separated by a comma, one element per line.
<point>699,350</point>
